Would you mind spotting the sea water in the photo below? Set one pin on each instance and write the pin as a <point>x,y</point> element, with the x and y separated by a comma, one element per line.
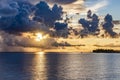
<point>59,66</point>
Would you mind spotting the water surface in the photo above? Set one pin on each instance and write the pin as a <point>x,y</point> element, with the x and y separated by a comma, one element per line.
<point>59,66</point>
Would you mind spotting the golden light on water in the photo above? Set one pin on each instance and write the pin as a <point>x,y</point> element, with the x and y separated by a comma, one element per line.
<point>39,70</point>
<point>40,53</point>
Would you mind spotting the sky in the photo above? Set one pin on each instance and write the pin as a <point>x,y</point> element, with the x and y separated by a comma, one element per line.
<point>18,30</point>
<point>112,8</point>
<point>102,7</point>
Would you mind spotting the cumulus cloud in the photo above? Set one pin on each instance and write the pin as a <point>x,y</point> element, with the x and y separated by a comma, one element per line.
<point>49,16</point>
<point>14,23</point>
<point>15,15</point>
<point>108,25</point>
<point>68,5</point>
<point>8,9</point>
<point>90,25</point>
<point>74,5</point>
<point>60,26</point>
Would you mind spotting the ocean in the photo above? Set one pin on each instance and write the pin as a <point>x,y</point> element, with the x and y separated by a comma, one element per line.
<point>59,66</point>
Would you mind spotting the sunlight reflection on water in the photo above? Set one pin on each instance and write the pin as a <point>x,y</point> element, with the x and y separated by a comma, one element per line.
<point>54,66</point>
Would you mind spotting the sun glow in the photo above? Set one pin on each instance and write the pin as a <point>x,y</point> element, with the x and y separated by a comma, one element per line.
<point>40,53</point>
<point>39,37</point>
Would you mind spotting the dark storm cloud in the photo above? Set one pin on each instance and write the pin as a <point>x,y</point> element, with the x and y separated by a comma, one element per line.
<point>49,16</point>
<point>108,25</point>
<point>28,19</point>
<point>54,1</point>
<point>8,11</point>
<point>15,17</point>
<point>66,4</point>
<point>90,25</point>
<point>19,20</point>
<point>60,26</point>
<point>61,1</point>
<point>8,8</point>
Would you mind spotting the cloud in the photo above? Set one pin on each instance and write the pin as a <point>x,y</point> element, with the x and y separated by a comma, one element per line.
<point>48,15</point>
<point>61,1</point>
<point>8,9</point>
<point>60,26</point>
<point>97,5</point>
<point>91,24</point>
<point>15,18</point>
<point>108,25</point>
<point>75,7</point>
<point>53,1</point>
<point>27,19</point>
<point>13,42</point>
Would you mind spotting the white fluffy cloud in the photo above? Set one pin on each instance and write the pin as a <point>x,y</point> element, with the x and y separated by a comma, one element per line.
<point>97,5</point>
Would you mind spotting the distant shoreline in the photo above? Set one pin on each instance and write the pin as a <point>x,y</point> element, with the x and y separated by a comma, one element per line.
<point>67,51</point>
<point>106,51</point>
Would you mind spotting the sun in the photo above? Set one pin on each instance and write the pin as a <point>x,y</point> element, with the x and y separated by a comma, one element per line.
<point>38,37</point>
